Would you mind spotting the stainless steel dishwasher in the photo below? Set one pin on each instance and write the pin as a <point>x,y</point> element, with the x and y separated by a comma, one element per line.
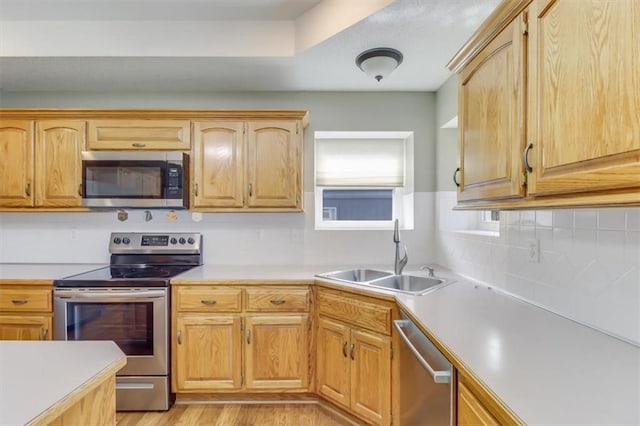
<point>425,379</point>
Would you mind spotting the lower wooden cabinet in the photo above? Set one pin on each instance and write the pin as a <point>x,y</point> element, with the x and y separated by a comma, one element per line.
<point>470,409</point>
<point>353,357</point>
<point>208,352</point>
<point>26,312</point>
<point>277,352</point>
<point>25,327</point>
<point>221,346</point>
<point>354,369</point>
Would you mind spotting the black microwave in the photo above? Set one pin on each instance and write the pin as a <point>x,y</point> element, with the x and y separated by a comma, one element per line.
<point>123,179</point>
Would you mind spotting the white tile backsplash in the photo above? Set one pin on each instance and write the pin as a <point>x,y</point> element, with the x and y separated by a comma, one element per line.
<point>229,238</point>
<point>589,267</point>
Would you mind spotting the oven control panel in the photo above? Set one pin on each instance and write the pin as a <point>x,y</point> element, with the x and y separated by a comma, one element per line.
<point>143,242</point>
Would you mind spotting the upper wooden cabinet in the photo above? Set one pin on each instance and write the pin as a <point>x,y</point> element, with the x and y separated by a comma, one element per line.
<point>40,165</point>
<point>274,164</point>
<point>247,165</point>
<point>140,135</point>
<point>59,146</point>
<point>490,119</point>
<point>550,106</point>
<point>584,96</point>
<point>16,163</point>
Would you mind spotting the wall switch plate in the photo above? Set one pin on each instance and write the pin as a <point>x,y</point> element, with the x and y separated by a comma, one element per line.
<point>533,250</point>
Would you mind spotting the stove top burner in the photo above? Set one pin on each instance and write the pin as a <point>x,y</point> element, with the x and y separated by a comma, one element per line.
<point>120,272</point>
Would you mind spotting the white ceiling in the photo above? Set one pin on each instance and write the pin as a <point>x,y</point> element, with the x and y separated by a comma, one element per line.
<point>224,45</point>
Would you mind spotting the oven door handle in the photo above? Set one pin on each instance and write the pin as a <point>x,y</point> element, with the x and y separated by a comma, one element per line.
<point>118,296</point>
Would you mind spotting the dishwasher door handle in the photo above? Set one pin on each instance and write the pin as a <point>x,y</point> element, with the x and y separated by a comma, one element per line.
<point>438,376</point>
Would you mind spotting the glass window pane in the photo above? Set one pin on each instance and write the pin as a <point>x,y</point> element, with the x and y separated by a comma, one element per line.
<point>357,204</point>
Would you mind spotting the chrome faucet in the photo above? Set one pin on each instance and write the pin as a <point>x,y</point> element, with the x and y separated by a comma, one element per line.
<point>398,264</point>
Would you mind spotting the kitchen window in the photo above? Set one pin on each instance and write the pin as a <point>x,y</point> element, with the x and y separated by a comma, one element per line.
<point>363,180</point>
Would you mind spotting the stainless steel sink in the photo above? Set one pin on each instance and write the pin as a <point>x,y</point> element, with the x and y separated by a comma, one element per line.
<point>356,275</point>
<point>386,280</point>
<point>408,283</point>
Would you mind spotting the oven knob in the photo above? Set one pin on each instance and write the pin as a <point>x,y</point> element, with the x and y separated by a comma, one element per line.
<point>117,240</point>
<point>191,240</point>
<point>174,241</point>
<point>125,240</point>
<point>182,241</point>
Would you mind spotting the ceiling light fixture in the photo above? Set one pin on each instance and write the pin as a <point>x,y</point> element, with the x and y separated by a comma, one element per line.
<point>379,62</point>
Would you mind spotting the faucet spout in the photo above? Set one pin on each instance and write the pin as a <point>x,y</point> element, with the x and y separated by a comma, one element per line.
<point>399,263</point>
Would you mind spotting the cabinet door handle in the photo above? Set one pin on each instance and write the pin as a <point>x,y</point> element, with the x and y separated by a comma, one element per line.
<point>27,189</point>
<point>250,190</point>
<point>179,336</point>
<point>352,351</point>
<point>277,301</point>
<point>248,337</point>
<point>208,302</point>
<point>138,145</point>
<point>344,349</point>
<point>19,301</point>
<point>80,190</point>
<point>195,189</point>
<point>45,333</point>
<point>525,158</point>
<point>455,175</point>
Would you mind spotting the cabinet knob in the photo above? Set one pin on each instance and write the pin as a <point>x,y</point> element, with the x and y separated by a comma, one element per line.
<point>455,176</point>
<point>80,190</point>
<point>352,351</point>
<point>195,189</point>
<point>250,190</point>
<point>45,333</point>
<point>277,301</point>
<point>344,349</point>
<point>179,337</point>
<point>19,301</point>
<point>138,145</point>
<point>27,189</point>
<point>248,337</point>
<point>208,302</point>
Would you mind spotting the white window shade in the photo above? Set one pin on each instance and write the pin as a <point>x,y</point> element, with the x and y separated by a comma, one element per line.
<point>360,162</point>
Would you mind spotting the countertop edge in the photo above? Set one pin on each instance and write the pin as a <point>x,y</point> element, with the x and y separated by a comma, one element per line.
<point>77,394</point>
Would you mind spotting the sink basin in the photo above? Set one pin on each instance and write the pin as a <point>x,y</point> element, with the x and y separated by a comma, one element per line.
<point>408,283</point>
<point>356,275</point>
<point>382,279</point>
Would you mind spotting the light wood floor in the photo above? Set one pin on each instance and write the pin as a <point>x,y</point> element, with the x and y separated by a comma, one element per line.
<point>236,415</point>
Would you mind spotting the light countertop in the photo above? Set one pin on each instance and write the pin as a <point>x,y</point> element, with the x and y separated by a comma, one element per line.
<point>545,368</point>
<point>35,376</point>
<point>43,271</point>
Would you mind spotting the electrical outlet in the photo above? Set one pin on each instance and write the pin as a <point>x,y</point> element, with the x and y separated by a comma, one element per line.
<point>533,250</point>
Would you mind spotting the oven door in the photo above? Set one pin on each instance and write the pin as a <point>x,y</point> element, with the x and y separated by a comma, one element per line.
<point>136,319</point>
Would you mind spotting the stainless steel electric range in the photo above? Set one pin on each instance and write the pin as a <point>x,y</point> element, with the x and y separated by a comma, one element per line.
<point>128,302</point>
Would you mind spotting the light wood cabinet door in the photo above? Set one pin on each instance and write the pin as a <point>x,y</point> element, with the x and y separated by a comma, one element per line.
<point>140,135</point>
<point>59,146</point>
<point>471,411</point>
<point>491,120</point>
<point>25,327</point>
<point>208,352</point>
<point>370,355</point>
<point>218,164</point>
<point>16,163</point>
<point>333,362</point>
<point>274,164</point>
<point>277,352</point>
<point>584,96</point>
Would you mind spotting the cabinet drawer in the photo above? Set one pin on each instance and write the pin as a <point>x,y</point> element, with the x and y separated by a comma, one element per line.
<point>355,312</point>
<point>222,299</point>
<point>277,300</point>
<point>32,300</point>
<point>140,134</point>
